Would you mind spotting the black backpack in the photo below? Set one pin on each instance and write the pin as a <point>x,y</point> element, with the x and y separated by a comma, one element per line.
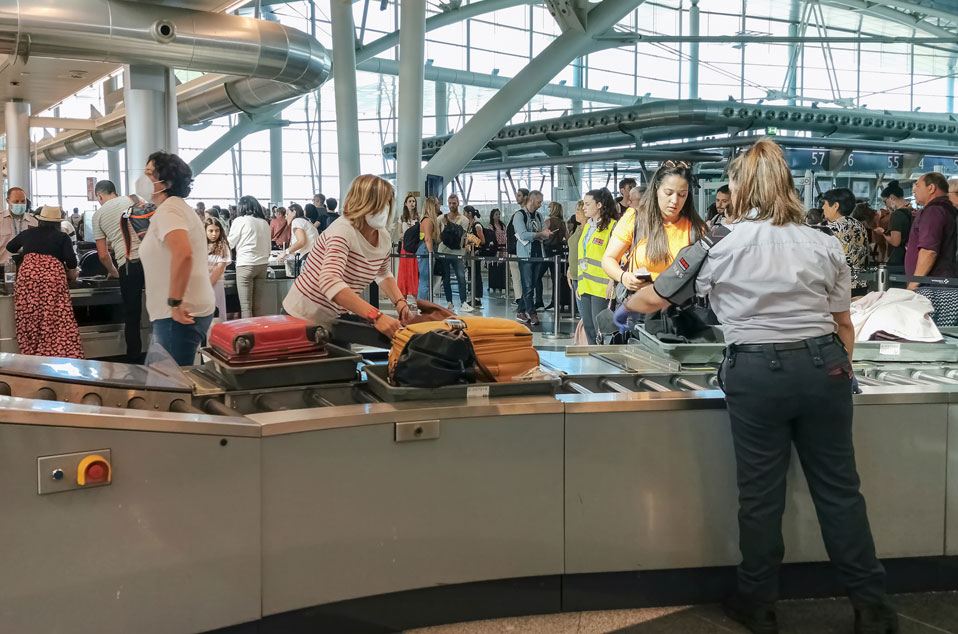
<point>436,358</point>
<point>410,239</point>
<point>511,232</point>
<point>489,246</point>
<point>452,235</point>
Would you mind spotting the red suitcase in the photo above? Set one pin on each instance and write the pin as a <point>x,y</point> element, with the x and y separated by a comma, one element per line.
<point>267,339</point>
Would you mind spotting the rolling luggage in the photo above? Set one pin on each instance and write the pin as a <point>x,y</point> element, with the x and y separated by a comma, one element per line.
<point>267,339</point>
<point>503,348</point>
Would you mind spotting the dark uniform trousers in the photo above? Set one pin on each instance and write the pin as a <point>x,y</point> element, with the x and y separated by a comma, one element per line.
<point>777,397</point>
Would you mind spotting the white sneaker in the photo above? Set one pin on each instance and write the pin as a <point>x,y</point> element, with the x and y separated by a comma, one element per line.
<point>466,307</point>
<point>450,307</point>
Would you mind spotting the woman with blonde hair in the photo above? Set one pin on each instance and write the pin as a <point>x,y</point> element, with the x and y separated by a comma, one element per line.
<point>348,256</point>
<point>429,236</point>
<point>781,290</point>
<point>408,269</point>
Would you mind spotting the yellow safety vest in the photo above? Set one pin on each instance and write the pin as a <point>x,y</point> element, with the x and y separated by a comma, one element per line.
<point>592,279</point>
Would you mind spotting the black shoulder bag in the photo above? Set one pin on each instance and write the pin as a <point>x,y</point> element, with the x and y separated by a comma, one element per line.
<point>437,358</point>
<point>622,293</point>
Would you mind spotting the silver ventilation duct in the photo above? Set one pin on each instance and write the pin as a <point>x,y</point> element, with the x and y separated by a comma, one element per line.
<point>683,119</point>
<point>275,63</point>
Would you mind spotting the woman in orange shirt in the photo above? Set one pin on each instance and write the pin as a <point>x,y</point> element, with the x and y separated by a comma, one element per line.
<point>667,221</point>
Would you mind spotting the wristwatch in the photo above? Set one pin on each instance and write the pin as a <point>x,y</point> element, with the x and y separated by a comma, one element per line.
<point>373,314</point>
<point>173,303</point>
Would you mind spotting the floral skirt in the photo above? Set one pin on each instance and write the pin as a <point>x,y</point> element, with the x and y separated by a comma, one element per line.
<point>44,313</point>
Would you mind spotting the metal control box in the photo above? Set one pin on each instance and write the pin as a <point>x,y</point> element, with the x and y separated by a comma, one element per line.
<point>59,473</point>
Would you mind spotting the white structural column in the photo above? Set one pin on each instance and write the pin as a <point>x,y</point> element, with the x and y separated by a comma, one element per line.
<point>794,55</point>
<point>344,83</point>
<point>694,51</point>
<point>950,90</point>
<point>412,50</point>
<point>149,94</point>
<point>276,166</point>
<point>17,122</point>
<point>570,176</point>
<point>442,108</point>
<point>111,92</point>
<point>460,149</point>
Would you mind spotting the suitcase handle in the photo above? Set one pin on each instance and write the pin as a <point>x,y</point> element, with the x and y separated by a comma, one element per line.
<point>318,334</point>
<point>456,325</point>
<point>243,344</point>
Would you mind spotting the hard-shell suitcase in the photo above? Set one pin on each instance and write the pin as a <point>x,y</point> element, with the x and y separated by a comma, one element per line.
<point>267,339</point>
<point>503,347</point>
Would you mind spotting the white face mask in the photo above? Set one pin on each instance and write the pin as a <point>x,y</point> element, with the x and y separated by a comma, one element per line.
<point>145,188</point>
<point>378,221</point>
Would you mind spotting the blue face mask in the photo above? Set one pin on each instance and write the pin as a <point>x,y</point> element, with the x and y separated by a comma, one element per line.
<point>18,209</point>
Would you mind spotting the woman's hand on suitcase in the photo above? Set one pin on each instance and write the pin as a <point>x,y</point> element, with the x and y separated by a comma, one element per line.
<point>405,314</point>
<point>387,325</point>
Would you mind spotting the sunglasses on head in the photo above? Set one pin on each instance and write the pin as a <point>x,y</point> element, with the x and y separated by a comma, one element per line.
<point>671,163</point>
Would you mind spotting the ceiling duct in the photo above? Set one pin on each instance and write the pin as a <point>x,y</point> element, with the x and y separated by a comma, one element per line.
<point>663,120</point>
<point>274,63</point>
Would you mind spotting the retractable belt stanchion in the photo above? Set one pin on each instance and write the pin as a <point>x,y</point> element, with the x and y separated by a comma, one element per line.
<point>429,275</point>
<point>508,274</point>
<point>556,300</point>
<point>473,263</point>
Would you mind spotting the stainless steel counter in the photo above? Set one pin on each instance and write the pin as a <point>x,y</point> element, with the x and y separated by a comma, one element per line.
<point>282,510</point>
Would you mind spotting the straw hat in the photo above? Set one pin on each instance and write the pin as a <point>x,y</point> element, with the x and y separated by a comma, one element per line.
<point>51,214</point>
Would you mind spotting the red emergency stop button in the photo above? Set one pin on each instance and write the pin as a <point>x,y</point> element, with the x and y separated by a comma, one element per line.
<point>93,470</point>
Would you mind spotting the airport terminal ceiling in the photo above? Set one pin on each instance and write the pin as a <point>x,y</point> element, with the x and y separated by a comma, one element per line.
<point>889,73</point>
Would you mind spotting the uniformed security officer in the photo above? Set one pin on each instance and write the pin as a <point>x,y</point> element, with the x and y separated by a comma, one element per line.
<point>600,209</point>
<point>781,291</point>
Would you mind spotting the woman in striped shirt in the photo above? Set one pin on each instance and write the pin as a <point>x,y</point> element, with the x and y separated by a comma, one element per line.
<point>349,255</point>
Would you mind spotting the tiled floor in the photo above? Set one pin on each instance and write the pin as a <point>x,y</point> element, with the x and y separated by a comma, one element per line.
<point>933,613</point>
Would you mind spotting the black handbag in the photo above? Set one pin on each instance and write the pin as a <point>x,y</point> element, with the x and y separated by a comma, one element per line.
<point>683,324</point>
<point>437,358</point>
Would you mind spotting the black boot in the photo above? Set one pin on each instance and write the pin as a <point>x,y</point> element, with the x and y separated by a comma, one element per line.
<point>758,618</point>
<point>879,619</point>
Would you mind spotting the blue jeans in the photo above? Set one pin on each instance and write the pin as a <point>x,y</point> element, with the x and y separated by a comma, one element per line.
<point>182,340</point>
<point>528,272</point>
<point>451,265</point>
<point>425,271</point>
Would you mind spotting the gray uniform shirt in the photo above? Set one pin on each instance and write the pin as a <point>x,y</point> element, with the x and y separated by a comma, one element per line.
<point>771,284</point>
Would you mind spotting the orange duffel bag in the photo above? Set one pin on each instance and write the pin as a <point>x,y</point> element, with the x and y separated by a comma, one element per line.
<point>503,347</point>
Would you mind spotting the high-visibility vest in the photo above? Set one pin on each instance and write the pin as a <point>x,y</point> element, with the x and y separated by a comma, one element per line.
<point>592,279</point>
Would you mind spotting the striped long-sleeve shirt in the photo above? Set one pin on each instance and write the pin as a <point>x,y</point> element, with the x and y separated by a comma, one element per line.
<point>341,258</point>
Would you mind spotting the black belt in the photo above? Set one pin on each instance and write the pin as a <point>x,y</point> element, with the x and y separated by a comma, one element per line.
<point>792,345</point>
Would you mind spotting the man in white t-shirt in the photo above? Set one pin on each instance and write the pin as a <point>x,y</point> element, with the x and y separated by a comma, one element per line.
<point>108,235</point>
